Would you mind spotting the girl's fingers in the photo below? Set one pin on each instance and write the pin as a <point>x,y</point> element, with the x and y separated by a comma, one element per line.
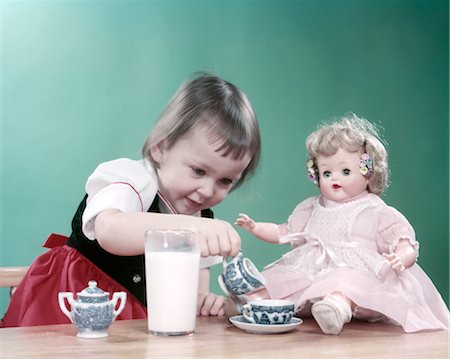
<point>221,312</point>
<point>218,305</point>
<point>207,304</point>
<point>225,245</point>
<point>204,249</point>
<point>212,304</point>
<point>220,238</point>
<point>214,246</point>
<point>200,301</point>
<point>235,243</point>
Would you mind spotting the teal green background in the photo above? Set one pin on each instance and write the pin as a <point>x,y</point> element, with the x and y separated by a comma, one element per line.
<point>84,81</point>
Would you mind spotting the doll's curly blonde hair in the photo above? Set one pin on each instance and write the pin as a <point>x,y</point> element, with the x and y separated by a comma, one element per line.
<point>353,134</point>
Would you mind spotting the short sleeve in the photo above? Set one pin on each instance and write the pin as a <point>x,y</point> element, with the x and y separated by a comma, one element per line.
<point>392,227</point>
<point>123,184</point>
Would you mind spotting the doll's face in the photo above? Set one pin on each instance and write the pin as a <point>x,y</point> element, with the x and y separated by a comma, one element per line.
<point>339,176</point>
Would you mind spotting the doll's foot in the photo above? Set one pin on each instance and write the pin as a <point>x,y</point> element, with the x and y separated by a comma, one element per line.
<point>331,313</point>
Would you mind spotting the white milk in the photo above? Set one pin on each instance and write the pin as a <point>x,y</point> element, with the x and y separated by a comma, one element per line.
<point>172,286</point>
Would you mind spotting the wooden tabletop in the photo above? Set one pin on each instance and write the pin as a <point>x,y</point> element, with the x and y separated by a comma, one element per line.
<point>218,338</point>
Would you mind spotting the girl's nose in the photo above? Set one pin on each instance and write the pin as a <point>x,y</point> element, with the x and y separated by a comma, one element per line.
<point>207,188</point>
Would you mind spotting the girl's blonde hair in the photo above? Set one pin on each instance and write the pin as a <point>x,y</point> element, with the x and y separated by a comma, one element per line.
<point>353,134</point>
<point>220,107</point>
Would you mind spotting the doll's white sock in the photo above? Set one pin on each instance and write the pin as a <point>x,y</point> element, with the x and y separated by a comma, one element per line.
<point>331,313</point>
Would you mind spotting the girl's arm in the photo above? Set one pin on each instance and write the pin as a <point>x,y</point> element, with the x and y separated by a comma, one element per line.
<point>268,232</point>
<point>122,233</point>
<point>208,303</point>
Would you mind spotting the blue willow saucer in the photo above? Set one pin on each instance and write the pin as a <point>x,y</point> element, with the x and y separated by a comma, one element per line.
<point>240,322</point>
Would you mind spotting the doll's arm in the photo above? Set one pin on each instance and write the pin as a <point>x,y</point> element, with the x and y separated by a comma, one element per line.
<point>404,255</point>
<point>268,232</point>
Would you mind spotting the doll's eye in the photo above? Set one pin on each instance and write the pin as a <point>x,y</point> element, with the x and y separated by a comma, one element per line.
<point>346,172</point>
<point>326,174</point>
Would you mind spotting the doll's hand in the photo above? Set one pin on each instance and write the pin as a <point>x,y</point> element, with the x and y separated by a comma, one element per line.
<point>395,261</point>
<point>218,237</point>
<point>210,304</point>
<point>404,256</point>
<point>245,222</point>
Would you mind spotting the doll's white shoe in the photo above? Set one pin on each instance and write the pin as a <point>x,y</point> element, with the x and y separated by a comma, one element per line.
<point>331,313</point>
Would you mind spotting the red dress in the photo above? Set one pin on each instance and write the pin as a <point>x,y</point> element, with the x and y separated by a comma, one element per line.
<point>61,269</point>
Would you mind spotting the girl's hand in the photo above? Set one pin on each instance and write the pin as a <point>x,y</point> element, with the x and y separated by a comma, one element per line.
<point>395,262</point>
<point>210,304</point>
<point>218,238</point>
<point>245,222</point>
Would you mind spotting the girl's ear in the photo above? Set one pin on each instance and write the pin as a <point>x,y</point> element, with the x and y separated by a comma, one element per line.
<point>157,151</point>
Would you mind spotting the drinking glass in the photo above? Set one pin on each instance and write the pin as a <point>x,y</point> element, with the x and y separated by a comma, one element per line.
<point>172,263</point>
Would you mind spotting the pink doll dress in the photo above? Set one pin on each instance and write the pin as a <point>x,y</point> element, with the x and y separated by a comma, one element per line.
<point>338,247</point>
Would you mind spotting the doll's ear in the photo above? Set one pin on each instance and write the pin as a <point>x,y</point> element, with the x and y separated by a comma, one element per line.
<point>157,151</point>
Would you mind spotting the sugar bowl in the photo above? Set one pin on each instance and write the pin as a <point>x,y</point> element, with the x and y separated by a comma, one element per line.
<point>92,312</point>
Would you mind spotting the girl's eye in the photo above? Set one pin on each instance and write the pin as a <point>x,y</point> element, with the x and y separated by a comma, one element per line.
<point>198,171</point>
<point>226,181</point>
<point>326,174</point>
<point>346,172</point>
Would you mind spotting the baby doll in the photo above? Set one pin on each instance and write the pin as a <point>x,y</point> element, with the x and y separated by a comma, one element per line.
<point>353,255</point>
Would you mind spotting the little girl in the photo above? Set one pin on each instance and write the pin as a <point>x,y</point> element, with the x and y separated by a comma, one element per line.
<point>353,255</point>
<point>205,144</point>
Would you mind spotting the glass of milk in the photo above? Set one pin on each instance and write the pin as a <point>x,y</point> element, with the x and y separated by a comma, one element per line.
<point>172,264</point>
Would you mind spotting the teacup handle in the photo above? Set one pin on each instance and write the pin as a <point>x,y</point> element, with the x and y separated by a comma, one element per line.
<point>123,299</point>
<point>225,262</point>
<point>247,312</point>
<point>62,303</point>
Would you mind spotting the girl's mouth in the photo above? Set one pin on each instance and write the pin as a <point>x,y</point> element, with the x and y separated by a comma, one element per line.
<point>192,203</point>
<point>336,186</point>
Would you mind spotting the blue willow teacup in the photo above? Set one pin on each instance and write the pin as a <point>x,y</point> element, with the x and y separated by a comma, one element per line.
<point>240,276</point>
<point>268,311</point>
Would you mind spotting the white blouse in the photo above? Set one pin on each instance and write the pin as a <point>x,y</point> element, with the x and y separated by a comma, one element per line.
<point>127,185</point>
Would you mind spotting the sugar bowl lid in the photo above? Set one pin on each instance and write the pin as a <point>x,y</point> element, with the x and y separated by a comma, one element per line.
<point>93,292</point>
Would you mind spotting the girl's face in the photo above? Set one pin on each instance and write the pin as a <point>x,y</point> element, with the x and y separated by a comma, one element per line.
<point>192,175</point>
<point>339,176</point>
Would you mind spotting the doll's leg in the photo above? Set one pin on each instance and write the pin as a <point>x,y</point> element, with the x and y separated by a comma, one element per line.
<point>332,312</point>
